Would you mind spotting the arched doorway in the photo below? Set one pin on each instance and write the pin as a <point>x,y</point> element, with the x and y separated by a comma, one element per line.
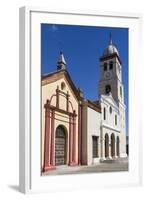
<point>113,145</point>
<point>106,146</point>
<point>60,145</point>
<point>118,146</point>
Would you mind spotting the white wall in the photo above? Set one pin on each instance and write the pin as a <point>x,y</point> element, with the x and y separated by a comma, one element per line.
<point>9,97</point>
<point>93,120</point>
<point>108,125</point>
<point>106,102</point>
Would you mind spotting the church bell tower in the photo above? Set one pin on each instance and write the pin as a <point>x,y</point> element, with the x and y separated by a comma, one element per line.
<point>111,73</point>
<point>111,85</point>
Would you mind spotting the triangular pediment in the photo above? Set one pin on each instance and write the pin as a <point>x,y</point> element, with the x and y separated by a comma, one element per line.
<point>61,74</point>
<point>109,99</point>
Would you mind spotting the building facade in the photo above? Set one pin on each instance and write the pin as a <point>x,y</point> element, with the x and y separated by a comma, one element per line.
<point>76,131</point>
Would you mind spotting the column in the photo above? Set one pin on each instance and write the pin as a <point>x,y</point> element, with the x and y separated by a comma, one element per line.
<point>109,148</point>
<point>79,134</point>
<point>67,101</point>
<point>102,144</point>
<point>57,97</point>
<point>115,148</point>
<point>52,140</point>
<point>102,148</point>
<point>70,140</point>
<point>47,137</point>
<point>74,138</point>
<point>98,142</point>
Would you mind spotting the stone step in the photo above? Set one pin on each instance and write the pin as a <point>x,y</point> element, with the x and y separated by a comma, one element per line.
<point>114,160</point>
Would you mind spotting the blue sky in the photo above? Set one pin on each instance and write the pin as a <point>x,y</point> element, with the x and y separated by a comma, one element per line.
<point>82,46</point>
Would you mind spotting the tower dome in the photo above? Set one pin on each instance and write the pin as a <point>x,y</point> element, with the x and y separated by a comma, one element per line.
<point>111,49</point>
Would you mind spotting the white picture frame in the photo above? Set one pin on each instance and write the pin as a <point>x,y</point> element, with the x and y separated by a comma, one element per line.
<point>29,144</point>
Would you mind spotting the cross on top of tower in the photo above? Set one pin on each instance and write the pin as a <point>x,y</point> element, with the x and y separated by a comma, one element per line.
<point>111,42</point>
<point>111,49</point>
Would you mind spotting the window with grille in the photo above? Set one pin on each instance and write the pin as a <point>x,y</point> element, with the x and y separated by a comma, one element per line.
<point>95,146</point>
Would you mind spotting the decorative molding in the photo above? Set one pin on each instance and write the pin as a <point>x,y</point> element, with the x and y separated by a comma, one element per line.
<point>109,127</point>
<point>62,111</point>
<point>57,97</point>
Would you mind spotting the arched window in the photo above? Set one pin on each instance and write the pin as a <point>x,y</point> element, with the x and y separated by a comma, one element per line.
<point>110,110</point>
<point>105,66</point>
<point>104,113</point>
<point>62,86</point>
<point>115,119</point>
<point>111,65</point>
<point>107,89</point>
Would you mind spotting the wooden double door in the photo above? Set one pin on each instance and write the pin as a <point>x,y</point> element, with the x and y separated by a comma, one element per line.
<point>60,146</point>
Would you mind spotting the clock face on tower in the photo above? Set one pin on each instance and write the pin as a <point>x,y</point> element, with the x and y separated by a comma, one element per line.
<point>107,75</point>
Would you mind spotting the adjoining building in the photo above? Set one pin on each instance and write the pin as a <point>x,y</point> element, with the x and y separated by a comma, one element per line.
<point>76,131</point>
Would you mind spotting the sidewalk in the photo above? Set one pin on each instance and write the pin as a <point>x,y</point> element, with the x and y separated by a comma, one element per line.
<point>120,165</point>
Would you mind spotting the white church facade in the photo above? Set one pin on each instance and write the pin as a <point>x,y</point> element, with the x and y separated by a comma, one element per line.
<point>76,131</point>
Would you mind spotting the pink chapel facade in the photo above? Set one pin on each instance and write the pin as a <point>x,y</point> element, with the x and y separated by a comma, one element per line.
<point>61,119</point>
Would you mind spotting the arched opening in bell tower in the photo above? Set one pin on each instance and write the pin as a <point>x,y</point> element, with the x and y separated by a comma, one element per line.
<point>107,89</point>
